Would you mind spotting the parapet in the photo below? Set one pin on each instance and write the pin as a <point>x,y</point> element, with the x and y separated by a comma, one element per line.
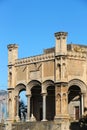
<point>58,34</point>
<point>12,46</point>
<point>77,48</point>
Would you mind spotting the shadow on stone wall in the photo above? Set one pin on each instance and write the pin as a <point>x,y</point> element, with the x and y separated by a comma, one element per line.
<point>46,126</point>
<point>77,126</point>
<point>36,126</point>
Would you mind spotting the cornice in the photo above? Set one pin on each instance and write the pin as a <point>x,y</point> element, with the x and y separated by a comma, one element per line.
<point>76,55</point>
<point>35,59</point>
<point>50,56</point>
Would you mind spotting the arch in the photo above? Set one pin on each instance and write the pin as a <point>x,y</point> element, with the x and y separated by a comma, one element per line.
<point>64,101</point>
<point>19,88</point>
<point>34,89</point>
<point>46,84</point>
<point>74,92</point>
<point>58,103</point>
<point>59,70</point>
<point>49,88</point>
<point>33,83</point>
<point>10,78</point>
<point>76,88</point>
<point>77,82</point>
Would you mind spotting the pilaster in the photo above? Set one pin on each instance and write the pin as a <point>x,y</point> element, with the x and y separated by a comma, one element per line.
<point>61,101</point>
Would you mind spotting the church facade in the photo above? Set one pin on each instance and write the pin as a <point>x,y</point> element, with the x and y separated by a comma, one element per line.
<point>55,81</point>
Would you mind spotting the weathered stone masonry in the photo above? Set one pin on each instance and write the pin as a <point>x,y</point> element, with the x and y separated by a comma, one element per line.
<point>55,81</point>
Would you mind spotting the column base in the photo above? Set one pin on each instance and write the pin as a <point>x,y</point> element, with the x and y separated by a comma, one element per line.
<point>17,119</point>
<point>28,120</point>
<point>44,120</point>
<point>32,118</point>
<point>9,120</point>
<point>62,118</point>
<point>8,124</point>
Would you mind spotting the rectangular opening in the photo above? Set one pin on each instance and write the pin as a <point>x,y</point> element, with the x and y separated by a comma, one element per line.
<point>77,112</point>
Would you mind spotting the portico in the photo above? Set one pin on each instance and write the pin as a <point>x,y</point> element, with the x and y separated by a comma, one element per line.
<point>55,82</point>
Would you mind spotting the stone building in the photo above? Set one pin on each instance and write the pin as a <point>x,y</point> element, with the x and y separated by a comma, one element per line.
<point>55,81</point>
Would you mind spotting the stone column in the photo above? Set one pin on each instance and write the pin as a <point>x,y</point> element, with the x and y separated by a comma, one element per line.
<point>17,114</point>
<point>44,107</point>
<point>15,106</point>
<point>28,107</point>
<point>82,104</point>
<point>85,102</point>
<point>85,99</point>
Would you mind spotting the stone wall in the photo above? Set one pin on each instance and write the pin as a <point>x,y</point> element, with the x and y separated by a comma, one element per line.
<point>36,126</point>
<point>2,127</point>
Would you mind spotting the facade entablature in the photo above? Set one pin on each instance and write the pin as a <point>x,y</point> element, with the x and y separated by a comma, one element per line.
<point>76,55</point>
<point>34,59</point>
<point>77,48</point>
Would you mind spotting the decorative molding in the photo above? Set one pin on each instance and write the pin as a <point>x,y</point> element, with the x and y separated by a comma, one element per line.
<point>76,55</point>
<point>48,83</point>
<point>33,83</point>
<point>34,59</point>
<point>50,56</point>
<point>78,83</point>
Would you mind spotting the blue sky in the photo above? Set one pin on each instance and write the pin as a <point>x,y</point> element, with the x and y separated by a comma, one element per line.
<point>32,24</point>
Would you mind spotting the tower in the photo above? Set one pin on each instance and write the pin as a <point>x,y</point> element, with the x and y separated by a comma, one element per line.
<point>61,47</point>
<point>12,53</point>
<point>61,57</point>
<point>61,78</point>
<point>12,56</point>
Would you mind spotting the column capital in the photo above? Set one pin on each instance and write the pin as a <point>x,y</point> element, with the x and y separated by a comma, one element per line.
<point>28,95</point>
<point>84,94</point>
<point>44,94</point>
